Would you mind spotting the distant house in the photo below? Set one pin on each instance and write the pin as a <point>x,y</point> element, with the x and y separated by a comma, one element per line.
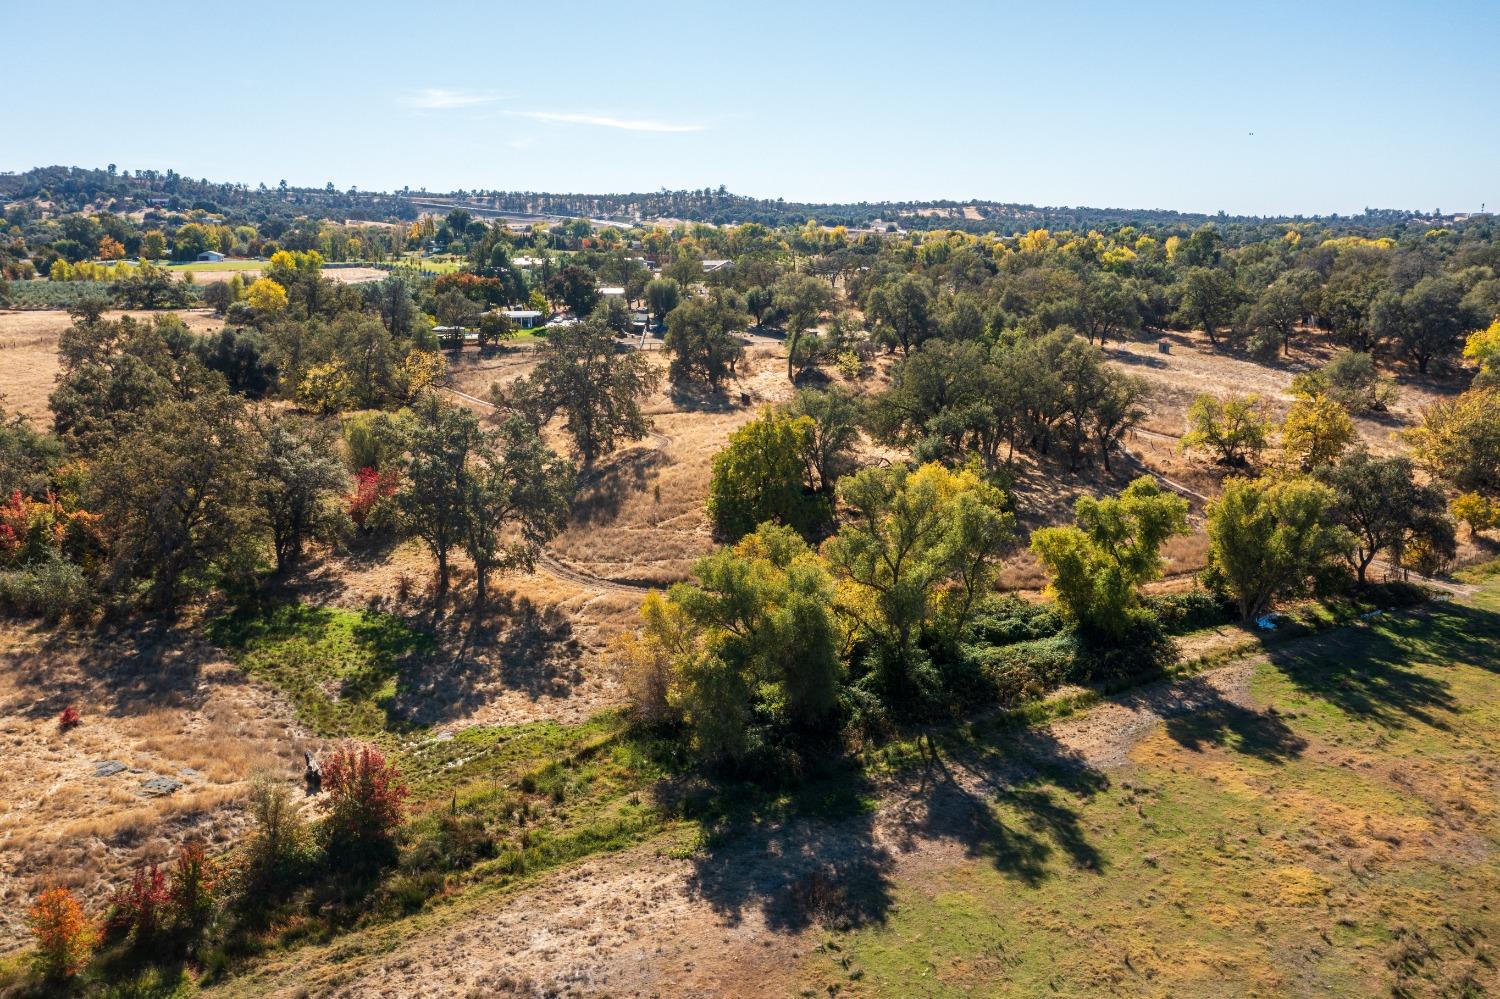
<point>527,261</point>
<point>612,292</point>
<point>211,256</point>
<point>523,318</point>
<point>709,266</point>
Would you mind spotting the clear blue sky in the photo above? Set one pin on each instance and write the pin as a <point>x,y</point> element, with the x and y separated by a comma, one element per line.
<point>1142,105</point>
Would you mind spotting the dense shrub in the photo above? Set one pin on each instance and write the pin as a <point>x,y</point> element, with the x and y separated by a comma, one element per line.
<point>140,909</point>
<point>277,848</point>
<point>63,934</point>
<point>1011,619</point>
<point>1180,613</point>
<point>1395,594</point>
<point>191,889</point>
<point>51,590</point>
<point>366,801</point>
<point>371,490</point>
<point>1026,670</point>
<point>241,356</point>
<point>458,842</point>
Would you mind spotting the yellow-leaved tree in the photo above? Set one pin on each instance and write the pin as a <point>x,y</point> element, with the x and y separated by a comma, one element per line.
<point>266,297</point>
<point>1483,347</point>
<point>1316,432</point>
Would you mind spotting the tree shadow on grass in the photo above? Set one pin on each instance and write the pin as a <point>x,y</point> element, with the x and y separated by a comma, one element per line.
<point>125,668</point>
<point>1221,722</point>
<point>1009,800</point>
<point>1370,672</point>
<point>513,644</point>
<point>602,492</point>
<point>807,856</point>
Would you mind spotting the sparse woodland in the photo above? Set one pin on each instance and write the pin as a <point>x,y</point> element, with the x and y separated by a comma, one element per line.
<point>851,610</point>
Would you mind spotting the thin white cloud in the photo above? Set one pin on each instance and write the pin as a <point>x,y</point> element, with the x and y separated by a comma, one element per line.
<point>440,99</point>
<point>606,121</point>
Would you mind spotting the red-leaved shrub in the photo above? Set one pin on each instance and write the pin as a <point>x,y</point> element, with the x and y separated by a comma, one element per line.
<point>365,795</point>
<point>64,935</point>
<point>190,892</point>
<point>140,907</point>
<point>69,718</point>
<point>370,487</point>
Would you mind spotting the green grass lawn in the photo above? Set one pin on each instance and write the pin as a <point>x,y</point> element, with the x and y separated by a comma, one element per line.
<point>1343,843</point>
<point>218,265</point>
<point>432,265</point>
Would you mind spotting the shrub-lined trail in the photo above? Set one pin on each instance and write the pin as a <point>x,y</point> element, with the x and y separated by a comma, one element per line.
<point>1321,816</point>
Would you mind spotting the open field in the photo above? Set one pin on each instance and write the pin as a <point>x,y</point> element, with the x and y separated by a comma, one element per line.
<point>157,702</point>
<point>206,272</point>
<point>28,353</point>
<point>228,266</point>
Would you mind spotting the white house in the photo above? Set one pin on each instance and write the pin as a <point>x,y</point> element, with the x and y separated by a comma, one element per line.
<point>610,291</point>
<point>213,256</point>
<point>523,318</point>
<point>709,266</point>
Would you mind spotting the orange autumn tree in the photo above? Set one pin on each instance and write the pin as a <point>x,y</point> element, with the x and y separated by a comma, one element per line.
<point>64,935</point>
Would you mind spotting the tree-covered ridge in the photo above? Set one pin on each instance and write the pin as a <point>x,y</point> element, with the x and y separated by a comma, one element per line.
<point>72,188</point>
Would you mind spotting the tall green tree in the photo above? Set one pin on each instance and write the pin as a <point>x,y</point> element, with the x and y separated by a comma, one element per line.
<point>1235,429</point>
<point>1208,300</point>
<point>752,645</point>
<point>916,552</point>
<point>1269,538</point>
<point>802,300</point>
<point>597,389</point>
<point>298,478</point>
<point>903,312</point>
<point>835,415</point>
<point>701,339</point>
<point>1385,510</point>
<point>761,475</point>
<point>175,494</point>
<point>662,296</point>
<point>1459,442</point>
<point>434,498</point>
<point>1114,546</point>
<point>516,494</point>
<point>1425,323</point>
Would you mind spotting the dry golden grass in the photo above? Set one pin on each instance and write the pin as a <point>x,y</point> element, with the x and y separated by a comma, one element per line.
<point>153,699</point>
<point>28,354</point>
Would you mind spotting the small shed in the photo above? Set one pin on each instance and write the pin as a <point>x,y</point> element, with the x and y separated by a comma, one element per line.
<point>211,256</point>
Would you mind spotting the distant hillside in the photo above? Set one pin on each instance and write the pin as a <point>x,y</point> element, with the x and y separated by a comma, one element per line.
<point>72,188</point>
